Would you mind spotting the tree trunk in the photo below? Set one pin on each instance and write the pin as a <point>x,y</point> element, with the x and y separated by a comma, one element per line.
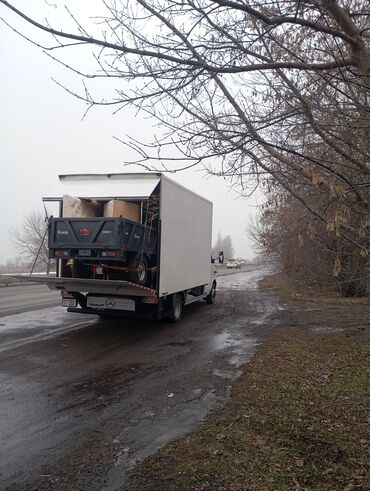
<point>354,281</point>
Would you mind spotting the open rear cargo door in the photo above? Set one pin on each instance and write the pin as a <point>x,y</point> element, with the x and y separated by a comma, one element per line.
<point>134,186</point>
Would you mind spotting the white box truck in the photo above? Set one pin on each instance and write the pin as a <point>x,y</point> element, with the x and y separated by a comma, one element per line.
<point>109,263</point>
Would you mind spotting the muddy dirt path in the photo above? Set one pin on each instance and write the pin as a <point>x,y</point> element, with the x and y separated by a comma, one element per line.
<point>82,400</point>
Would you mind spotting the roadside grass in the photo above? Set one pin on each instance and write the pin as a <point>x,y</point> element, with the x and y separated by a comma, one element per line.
<point>298,419</point>
<point>290,288</point>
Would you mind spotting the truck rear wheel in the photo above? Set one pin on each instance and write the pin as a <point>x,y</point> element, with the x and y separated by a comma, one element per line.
<point>140,276</point>
<point>176,308</point>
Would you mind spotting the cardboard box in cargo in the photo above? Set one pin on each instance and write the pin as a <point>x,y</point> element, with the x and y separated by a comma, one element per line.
<point>76,207</point>
<point>124,209</point>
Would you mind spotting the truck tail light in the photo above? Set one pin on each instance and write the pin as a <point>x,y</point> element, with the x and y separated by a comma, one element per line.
<point>110,254</point>
<point>61,253</point>
<point>152,300</point>
<point>64,293</point>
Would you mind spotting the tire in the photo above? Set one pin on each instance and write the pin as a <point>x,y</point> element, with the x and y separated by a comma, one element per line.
<point>138,277</point>
<point>176,308</point>
<point>211,297</point>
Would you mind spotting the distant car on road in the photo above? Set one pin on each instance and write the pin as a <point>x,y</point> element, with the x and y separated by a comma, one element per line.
<point>233,264</point>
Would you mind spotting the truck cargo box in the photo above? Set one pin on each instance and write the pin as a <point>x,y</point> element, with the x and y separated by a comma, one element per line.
<point>172,242</point>
<point>186,238</point>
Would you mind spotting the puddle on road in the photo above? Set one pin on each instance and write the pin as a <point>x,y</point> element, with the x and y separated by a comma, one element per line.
<point>184,413</point>
<point>223,340</point>
<point>158,429</point>
<point>326,329</point>
<point>237,348</point>
<point>38,325</point>
<point>241,281</point>
<point>264,312</point>
<point>51,317</point>
<point>233,344</point>
<point>227,374</point>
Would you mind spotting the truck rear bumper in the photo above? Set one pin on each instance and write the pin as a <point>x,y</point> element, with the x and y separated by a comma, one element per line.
<point>142,312</point>
<point>108,313</point>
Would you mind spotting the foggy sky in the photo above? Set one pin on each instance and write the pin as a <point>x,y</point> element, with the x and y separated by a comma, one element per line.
<point>42,135</point>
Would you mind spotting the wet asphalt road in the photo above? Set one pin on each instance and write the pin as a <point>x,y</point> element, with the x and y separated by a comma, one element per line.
<point>82,400</point>
<point>24,298</point>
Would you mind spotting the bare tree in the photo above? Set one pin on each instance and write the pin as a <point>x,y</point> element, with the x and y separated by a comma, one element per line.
<point>303,248</point>
<point>30,239</point>
<point>269,94</point>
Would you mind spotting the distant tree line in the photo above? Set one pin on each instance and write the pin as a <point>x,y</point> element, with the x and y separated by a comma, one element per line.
<point>306,248</point>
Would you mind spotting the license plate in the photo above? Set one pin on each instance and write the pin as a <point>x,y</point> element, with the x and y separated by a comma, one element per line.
<point>84,252</point>
<point>69,302</point>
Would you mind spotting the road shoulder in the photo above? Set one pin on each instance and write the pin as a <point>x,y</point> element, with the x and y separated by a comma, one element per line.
<point>296,419</point>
